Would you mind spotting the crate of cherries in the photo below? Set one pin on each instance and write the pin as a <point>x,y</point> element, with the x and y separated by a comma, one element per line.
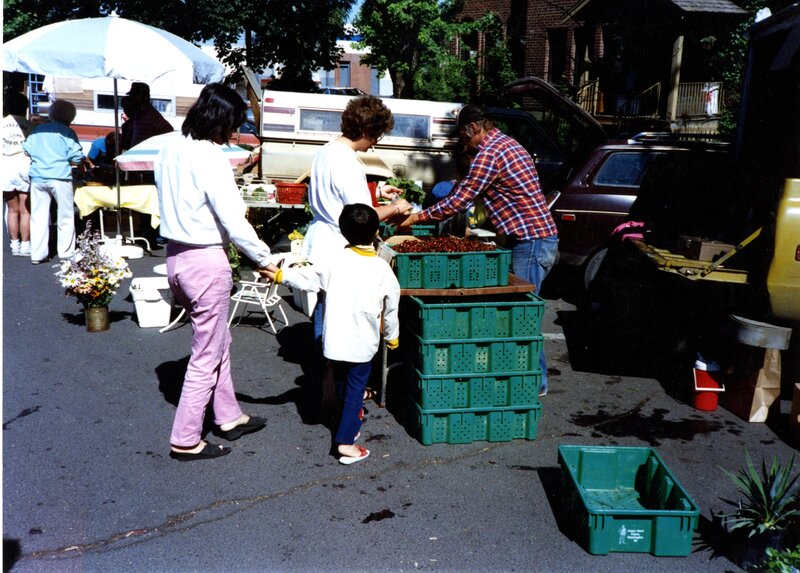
<point>449,262</point>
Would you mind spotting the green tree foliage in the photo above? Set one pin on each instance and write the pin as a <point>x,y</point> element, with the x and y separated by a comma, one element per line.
<point>397,33</point>
<point>415,40</point>
<point>299,36</point>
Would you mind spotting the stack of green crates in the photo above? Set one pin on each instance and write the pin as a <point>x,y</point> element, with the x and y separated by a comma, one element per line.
<point>476,364</point>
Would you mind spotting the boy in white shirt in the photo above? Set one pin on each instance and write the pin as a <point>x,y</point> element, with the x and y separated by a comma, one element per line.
<point>360,287</point>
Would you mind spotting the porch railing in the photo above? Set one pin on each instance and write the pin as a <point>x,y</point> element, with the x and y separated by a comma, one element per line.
<point>699,99</point>
<point>589,97</point>
<point>695,100</point>
<point>645,104</point>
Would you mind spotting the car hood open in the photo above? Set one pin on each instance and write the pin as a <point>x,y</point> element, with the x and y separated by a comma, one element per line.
<point>574,130</point>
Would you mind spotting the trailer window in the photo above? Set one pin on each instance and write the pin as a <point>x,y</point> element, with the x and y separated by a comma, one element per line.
<point>320,120</point>
<point>105,102</point>
<point>412,126</point>
<point>165,106</point>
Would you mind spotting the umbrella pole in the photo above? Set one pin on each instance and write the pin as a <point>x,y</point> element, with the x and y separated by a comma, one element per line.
<point>116,166</point>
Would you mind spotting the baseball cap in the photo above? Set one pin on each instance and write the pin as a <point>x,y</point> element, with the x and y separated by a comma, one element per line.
<point>468,114</point>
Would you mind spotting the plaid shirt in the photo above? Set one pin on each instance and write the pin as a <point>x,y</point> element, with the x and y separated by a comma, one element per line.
<point>504,177</point>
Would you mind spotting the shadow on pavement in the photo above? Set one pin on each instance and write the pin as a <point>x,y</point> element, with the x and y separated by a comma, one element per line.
<point>170,379</point>
<point>551,483</point>
<point>79,318</point>
<point>12,549</point>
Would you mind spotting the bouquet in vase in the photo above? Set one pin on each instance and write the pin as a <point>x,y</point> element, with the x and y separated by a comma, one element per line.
<point>92,275</point>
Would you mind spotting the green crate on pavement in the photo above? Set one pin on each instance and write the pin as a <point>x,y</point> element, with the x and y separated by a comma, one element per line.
<point>625,499</point>
<point>492,316</point>
<point>451,270</point>
<point>477,390</point>
<point>477,355</point>
<point>464,426</point>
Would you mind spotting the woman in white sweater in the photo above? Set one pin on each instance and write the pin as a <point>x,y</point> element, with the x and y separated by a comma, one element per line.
<point>201,209</point>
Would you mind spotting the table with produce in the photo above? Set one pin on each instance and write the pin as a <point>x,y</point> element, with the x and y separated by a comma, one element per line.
<point>470,337</point>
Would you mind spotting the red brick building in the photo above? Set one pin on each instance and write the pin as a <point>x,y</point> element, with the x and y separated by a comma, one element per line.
<point>620,58</point>
<point>542,44</point>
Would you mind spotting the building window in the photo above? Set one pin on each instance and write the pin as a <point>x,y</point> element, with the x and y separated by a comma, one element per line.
<point>344,75</point>
<point>375,81</point>
<point>326,78</point>
<point>557,48</point>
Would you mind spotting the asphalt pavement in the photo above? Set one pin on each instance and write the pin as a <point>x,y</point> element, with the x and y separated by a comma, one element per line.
<point>88,484</point>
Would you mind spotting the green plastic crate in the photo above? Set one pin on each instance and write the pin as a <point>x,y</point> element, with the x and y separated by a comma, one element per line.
<point>478,355</point>
<point>417,230</point>
<point>494,316</point>
<point>452,270</point>
<point>625,499</point>
<point>464,426</point>
<point>477,390</point>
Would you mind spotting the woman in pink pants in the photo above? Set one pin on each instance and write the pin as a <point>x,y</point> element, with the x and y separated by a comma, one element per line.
<point>201,209</point>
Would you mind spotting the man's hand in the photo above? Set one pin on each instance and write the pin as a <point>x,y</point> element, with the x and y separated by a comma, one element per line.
<point>410,220</point>
<point>389,192</point>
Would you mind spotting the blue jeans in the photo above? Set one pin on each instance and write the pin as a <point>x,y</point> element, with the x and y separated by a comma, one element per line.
<point>351,380</point>
<point>531,261</point>
<point>317,318</point>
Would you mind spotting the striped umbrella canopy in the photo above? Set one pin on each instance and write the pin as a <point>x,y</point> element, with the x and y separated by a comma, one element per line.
<point>142,156</point>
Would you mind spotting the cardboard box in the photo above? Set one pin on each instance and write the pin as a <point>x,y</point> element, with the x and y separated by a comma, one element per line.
<point>699,249</point>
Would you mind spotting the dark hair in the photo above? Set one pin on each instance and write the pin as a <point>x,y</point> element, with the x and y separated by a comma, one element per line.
<point>15,103</point>
<point>217,113</point>
<point>366,116</point>
<point>358,223</point>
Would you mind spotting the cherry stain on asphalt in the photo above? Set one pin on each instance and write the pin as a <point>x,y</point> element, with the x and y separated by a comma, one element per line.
<point>25,412</point>
<point>650,429</point>
<point>378,516</point>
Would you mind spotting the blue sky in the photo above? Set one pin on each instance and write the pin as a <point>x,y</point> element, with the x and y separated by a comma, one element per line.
<point>354,11</point>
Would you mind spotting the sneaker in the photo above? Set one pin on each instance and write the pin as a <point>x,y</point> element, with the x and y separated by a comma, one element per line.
<point>15,248</point>
<point>543,392</point>
<point>25,249</point>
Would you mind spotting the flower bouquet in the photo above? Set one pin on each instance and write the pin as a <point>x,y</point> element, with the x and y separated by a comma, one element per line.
<point>92,275</point>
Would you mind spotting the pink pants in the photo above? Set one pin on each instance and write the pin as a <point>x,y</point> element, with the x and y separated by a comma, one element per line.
<point>200,278</point>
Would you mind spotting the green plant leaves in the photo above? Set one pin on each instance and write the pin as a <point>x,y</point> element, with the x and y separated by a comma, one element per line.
<point>772,498</point>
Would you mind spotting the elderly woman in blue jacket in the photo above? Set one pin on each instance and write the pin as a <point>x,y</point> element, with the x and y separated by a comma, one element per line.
<point>53,148</point>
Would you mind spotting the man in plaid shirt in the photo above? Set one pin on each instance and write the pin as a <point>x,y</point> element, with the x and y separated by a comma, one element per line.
<point>503,177</point>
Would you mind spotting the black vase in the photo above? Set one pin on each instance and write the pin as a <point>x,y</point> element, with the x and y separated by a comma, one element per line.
<point>754,549</point>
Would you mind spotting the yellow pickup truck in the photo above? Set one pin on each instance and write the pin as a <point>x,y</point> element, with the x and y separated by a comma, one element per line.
<point>769,142</point>
<point>783,280</point>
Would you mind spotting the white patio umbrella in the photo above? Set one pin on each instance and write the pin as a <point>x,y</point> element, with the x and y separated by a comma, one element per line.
<point>111,47</point>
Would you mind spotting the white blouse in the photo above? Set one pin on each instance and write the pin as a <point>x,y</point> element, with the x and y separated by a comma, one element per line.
<point>199,200</point>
